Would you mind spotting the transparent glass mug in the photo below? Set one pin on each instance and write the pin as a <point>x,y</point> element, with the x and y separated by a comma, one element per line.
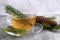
<point>25,23</point>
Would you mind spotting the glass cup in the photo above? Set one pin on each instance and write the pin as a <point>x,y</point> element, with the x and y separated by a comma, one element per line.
<point>26,23</point>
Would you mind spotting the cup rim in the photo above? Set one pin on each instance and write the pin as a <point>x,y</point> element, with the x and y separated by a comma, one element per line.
<point>14,17</point>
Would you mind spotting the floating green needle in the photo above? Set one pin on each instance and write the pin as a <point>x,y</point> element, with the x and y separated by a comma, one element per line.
<point>11,10</point>
<point>15,30</point>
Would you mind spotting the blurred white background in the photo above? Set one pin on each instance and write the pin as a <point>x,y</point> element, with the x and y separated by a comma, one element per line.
<point>39,7</point>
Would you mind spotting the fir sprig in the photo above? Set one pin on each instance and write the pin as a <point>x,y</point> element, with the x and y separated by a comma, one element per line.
<point>16,30</point>
<point>57,27</point>
<point>11,10</point>
<point>52,17</point>
<point>46,26</point>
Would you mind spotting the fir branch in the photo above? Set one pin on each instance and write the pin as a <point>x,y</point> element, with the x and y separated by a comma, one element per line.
<point>15,30</point>
<point>13,11</point>
<point>57,27</point>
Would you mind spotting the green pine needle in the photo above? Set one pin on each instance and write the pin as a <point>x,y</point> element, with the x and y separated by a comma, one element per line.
<point>52,17</point>
<point>46,25</point>
<point>15,30</point>
<point>11,10</point>
<point>57,27</point>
